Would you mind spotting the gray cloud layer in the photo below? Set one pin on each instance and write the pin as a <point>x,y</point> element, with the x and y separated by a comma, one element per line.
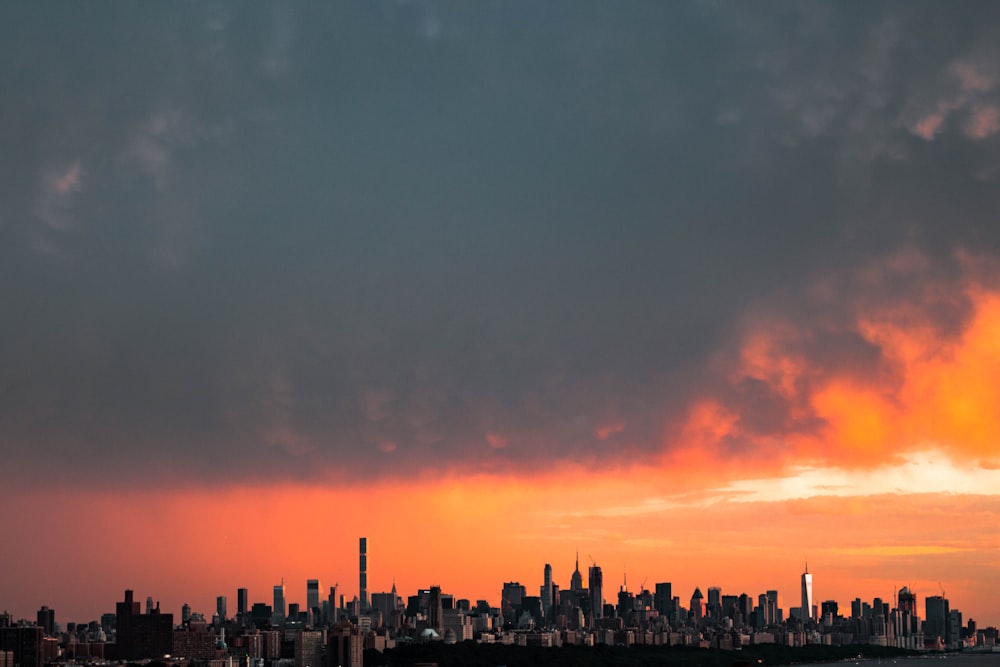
<point>287,240</point>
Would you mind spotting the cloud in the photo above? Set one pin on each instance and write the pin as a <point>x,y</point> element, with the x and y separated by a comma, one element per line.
<point>983,122</point>
<point>57,192</point>
<point>887,375</point>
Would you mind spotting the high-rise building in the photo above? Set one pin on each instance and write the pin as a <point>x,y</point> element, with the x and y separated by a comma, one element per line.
<point>576,581</point>
<point>663,599</point>
<point>242,602</point>
<point>435,611</point>
<point>714,606</point>
<point>334,607</point>
<point>279,608</point>
<point>363,573</point>
<point>547,593</point>
<point>807,594</point>
<point>185,613</point>
<point>220,608</point>
<point>595,579</point>
<point>312,597</point>
<point>697,605</point>
<point>936,617</point>
<point>47,620</point>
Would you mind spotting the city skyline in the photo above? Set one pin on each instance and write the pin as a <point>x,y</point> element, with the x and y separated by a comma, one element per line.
<point>787,602</point>
<point>701,290</point>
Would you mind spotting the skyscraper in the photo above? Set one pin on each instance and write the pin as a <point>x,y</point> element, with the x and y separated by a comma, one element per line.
<point>596,583</point>
<point>242,599</point>
<point>363,573</point>
<point>807,594</point>
<point>312,595</point>
<point>547,597</point>
<point>576,581</point>
<point>663,598</point>
<point>220,608</point>
<point>279,602</point>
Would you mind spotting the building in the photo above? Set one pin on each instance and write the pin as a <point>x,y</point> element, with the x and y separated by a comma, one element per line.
<point>47,620</point>
<point>697,605</point>
<point>807,594</point>
<point>345,646</point>
<point>242,603</point>
<point>220,608</point>
<point>279,609</point>
<point>141,636</point>
<point>23,643</point>
<point>935,617</point>
<point>596,584</point>
<point>363,573</point>
<point>195,642</point>
<point>663,599</point>
<point>548,597</point>
<point>435,610</point>
<point>576,581</point>
<point>312,600</point>
<point>309,648</point>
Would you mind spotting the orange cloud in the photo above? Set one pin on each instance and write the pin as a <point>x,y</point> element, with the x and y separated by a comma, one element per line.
<point>929,382</point>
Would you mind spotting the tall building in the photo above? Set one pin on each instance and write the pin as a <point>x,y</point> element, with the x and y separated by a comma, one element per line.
<point>47,620</point>
<point>936,617</point>
<point>242,602</point>
<point>279,609</point>
<point>312,596</point>
<point>220,608</point>
<point>807,594</point>
<point>576,581</point>
<point>547,593</point>
<point>363,573</point>
<point>663,599</point>
<point>435,611</point>
<point>332,599</point>
<point>697,605</point>
<point>596,584</point>
<point>714,606</point>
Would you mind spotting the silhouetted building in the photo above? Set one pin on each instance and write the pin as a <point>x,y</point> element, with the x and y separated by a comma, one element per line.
<point>24,642</point>
<point>596,584</point>
<point>141,636</point>
<point>363,573</point>
<point>576,581</point>
<point>221,608</point>
<point>663,599</point>
<point>242,603</point>
<point>279,609</point>
<point>312,601</point>
<point>697,609</point>
<point>435,612</point>
<point>936,617</point>
<point>47,620</point>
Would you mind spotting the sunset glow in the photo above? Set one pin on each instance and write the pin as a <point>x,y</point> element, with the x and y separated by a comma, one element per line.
<point>699,291</point>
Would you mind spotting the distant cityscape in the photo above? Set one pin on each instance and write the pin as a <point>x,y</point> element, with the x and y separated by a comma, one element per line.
<point>329,631</point>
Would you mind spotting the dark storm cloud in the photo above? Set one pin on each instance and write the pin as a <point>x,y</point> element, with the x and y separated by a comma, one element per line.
<point>288,240</point>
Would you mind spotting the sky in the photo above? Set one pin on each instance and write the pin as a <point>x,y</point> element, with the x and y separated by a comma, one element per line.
<point>701,290</point>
